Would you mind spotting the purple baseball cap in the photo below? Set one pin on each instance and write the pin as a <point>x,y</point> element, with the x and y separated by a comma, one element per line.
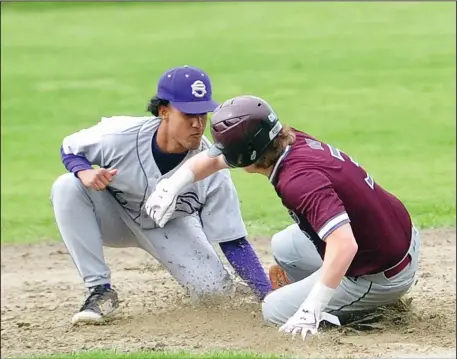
<point>188,89</point>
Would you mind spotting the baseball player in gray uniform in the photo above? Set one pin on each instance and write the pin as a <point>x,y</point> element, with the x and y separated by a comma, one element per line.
<point>114,166</point>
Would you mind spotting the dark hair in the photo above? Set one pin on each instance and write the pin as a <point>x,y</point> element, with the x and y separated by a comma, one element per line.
<point>155,103</point>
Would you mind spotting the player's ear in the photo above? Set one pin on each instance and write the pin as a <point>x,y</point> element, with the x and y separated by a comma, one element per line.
<point>164,112</point>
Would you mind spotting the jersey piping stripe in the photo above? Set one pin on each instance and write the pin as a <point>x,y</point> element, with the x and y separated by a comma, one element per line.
<point>144,174</point>
<point>354,301</point>
<point>332,224</point>
<point>278,162</point>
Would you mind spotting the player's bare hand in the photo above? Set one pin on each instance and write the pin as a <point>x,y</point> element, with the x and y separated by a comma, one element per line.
<point>97,179</point>
<point>160,205</point>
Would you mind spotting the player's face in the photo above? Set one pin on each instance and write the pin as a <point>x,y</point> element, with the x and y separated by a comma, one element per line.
<point>187,129</point>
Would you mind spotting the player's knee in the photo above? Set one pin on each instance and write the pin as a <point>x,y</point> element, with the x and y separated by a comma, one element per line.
<point>208,288</point>
<point>64,186</point>
<point>282,244</point>
<point>272,307</point>
<point>268,310</point>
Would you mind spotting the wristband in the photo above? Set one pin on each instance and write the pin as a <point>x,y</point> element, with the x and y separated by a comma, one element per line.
<point>319,297</point>
<point>182,178</point>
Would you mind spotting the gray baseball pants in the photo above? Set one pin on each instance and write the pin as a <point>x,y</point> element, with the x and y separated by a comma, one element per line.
<point>296,254</point>
<point>88,220</point>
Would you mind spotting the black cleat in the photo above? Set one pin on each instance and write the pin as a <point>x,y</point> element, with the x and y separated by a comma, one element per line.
<point>100,303</point>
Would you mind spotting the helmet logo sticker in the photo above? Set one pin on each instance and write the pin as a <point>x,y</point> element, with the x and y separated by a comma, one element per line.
<point>275,130</point>
<point>198,88</point>
<point>253,155</point>
<point>272,117</point>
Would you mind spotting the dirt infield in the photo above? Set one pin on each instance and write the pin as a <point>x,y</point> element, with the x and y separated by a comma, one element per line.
<point>41,290</point>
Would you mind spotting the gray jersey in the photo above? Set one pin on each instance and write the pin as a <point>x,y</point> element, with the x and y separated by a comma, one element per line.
<point>125,143</point>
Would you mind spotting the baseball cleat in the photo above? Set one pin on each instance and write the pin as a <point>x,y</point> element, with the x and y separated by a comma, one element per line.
<point>100,303</point>
<point>278,277</point>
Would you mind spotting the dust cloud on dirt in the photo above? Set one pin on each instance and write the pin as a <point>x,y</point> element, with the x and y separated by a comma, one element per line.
<point>41,291</point>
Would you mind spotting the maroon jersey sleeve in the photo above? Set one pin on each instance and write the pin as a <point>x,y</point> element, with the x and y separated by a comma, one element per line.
<point>310,195</point>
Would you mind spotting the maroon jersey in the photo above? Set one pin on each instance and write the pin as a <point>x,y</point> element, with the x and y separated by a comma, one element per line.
<point>323,188</point>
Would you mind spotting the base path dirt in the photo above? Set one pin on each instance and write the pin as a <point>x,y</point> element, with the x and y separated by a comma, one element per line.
<point>41,291</point>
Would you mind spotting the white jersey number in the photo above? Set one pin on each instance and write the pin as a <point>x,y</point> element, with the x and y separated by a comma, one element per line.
<point>335,152</point>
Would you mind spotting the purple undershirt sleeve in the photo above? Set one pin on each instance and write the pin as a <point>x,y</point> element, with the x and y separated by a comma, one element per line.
<point>244,260</point>
<point>74,163</point>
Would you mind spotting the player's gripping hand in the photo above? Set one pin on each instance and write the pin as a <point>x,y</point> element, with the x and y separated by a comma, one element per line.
<point>97,178</point>
<point>160,205</point>
<point>306,320</point>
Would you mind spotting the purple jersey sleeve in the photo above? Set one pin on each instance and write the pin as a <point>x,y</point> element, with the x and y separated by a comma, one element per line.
<point>74,163</point>
<point>245,261</point>
<point>311,195</point>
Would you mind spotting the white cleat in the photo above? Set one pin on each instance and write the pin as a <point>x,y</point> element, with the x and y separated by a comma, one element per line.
<point>87,317</point>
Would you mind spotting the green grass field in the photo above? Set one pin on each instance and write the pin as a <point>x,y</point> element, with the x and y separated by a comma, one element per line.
<point>377,80</point>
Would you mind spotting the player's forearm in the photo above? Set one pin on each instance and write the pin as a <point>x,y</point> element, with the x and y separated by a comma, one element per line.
<point>340,251</point>
<point>246,263</point>
<point>195,169</point>
<point>203,166</point>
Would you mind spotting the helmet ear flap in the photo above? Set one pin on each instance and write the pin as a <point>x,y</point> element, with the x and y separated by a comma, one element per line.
<point>253,153</point>
<point>240,154</point>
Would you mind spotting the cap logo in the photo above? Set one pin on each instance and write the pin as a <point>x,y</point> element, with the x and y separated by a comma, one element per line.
<point>198,89</point>
<point>253,155</point>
